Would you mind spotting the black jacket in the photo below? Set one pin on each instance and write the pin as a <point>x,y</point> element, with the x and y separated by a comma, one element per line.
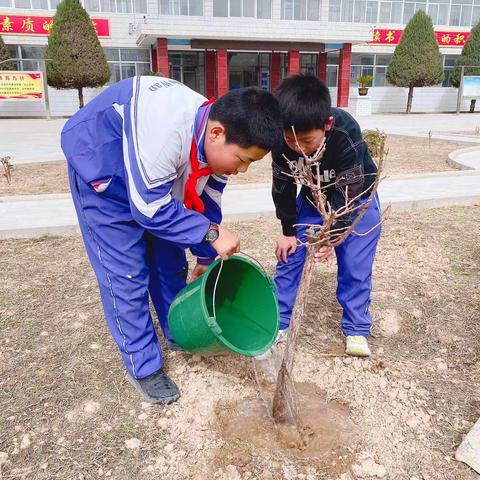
<point>346,161</point>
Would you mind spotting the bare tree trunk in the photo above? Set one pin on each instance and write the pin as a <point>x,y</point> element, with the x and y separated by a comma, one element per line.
<point>284,404</point>
<point>472,105</point>
<point>80,97</point>
<point>410,98</point>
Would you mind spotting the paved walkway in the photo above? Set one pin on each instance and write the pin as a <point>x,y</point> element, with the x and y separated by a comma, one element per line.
<point>36,215</point>
<point>38,140</point>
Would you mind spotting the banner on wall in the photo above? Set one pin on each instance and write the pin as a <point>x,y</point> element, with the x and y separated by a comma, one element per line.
<point>32,25</point>
<point>471,86</point>
<point>444,39</point>
<point>21,85</point>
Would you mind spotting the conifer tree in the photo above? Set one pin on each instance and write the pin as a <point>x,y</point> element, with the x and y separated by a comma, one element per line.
<point>470,56</point>
<point>75,56</point>
<point>417,61</point>
<point>5,55</point>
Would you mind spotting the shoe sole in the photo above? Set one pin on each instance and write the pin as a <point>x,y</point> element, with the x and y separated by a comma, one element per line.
<point>357,354</point>
<point>149,399</point>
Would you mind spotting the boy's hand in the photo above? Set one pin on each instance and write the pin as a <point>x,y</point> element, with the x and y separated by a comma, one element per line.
<point>227,243</point>
<point>285,246</point>
<point>198,271</point>
<point>325,254</point>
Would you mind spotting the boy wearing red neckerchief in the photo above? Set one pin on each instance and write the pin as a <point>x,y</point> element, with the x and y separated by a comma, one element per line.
<point>148,160</point>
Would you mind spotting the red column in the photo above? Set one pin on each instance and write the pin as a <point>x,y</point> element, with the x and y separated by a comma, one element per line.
<point>275,71</point>
<point>343,87</point>
<point>222,73</point>
<point>322,66</point>
<point>210,73</point>
<point>162,56</point>
<point>154,60</point>
<point>293,61</point>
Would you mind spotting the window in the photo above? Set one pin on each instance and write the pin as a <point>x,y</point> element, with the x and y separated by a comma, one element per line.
<point>301,10</point>
<point>334,9</point>
<point>332,69</point>
<point>126,62</point>
<point>438,11</point>
<point>308,63</point>
<point>181,7</point>
<point>369,64</point>
<point>30,56</point>
<point>448,65</point>
<point>391,12</point>
<point>410,8</point>
<point>242,8</point>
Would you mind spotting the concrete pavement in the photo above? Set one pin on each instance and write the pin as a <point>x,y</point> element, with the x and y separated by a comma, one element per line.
<point>38,140</point>
<point>36,215</point>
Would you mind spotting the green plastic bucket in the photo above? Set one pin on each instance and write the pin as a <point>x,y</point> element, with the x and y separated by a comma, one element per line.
<point>246,308</point>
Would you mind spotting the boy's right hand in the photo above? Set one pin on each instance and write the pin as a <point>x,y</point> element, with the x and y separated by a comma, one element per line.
<point>227,243</point>
<point>285,246</point>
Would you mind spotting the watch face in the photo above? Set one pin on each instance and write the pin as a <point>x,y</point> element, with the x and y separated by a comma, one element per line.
<point>212,235</point>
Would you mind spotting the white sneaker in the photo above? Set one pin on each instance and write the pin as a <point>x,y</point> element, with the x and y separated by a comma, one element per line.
<point>281,335</point>
<point>357,346</point>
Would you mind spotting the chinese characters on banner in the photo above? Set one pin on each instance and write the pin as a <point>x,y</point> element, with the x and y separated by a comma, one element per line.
<point>444,39</point>
<point>31,25</point>
<point>21,85</point>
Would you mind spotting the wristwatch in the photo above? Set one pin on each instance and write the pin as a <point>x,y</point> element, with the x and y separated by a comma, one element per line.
<point>212,233</point>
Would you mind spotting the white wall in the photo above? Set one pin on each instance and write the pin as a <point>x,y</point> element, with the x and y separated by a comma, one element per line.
<point>425,99</point>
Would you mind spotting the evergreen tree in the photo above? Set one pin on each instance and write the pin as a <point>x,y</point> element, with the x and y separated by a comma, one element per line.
<point>76,58</point>
<point>417,61</point>
<point>470,56</point>
<point>5,55</point>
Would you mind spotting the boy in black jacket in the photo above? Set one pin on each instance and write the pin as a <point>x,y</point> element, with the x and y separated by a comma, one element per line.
<point>306,105</point>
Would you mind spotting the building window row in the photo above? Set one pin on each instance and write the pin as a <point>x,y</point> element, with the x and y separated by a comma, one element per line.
<point>300,10</point>
<point>454,13</point>
<point>181,7</point>
<point>242,8</point>
<point>127,62</point>
<point>110,6</point>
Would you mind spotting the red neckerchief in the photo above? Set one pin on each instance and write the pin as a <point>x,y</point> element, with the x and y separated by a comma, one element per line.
<point>191,199</point>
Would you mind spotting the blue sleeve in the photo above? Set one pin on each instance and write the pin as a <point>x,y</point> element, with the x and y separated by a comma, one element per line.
<point>212,199</point>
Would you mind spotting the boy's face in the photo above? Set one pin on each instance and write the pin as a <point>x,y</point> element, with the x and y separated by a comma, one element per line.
<point>228,158</point>
<point>307,141</point>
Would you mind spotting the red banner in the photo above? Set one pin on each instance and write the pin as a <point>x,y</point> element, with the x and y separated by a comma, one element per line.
<point>30,25</point>
<point>444,39</point>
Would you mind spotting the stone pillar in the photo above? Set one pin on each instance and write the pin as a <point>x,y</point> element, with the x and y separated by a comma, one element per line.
<point>210,73</point>
<point>162,57</point>
<point>293,62</point>
<point>275,72</point>
<point>222,72</point>
<point>322,66</point>
<point>343,86</point>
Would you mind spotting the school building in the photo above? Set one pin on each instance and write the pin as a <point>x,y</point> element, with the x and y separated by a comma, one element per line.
<point>216,45</point>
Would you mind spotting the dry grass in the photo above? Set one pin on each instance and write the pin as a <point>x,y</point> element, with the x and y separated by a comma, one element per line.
<point>406,155</point>
<point>66,411</point>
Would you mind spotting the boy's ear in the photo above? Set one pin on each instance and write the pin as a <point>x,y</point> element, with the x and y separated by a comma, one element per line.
<point>215,130</point>
<point>328,124</point>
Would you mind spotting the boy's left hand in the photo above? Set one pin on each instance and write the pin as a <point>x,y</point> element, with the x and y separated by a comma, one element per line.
<point>325,254</point>
<point>198,271</point>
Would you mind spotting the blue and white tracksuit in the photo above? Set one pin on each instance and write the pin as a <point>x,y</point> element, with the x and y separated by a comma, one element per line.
<point>128,154</point>
<point>346,163</point>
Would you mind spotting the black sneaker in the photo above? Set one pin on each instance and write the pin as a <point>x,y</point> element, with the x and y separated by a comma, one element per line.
<point>156,388</point>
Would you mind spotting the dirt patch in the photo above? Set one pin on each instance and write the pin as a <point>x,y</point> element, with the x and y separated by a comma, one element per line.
<point>35,179</point>
<point>406,155</point>
<point>67,411</point>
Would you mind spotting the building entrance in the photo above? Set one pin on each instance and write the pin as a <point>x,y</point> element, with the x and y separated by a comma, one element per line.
<point>249,69</point>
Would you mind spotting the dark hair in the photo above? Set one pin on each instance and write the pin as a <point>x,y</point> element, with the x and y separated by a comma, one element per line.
<point>251,117</point>
<point>304,102</point>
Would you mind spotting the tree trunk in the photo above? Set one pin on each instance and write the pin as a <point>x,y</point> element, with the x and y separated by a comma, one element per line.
<point>410,98</point>
<point>284,405</point>
<point>472,105</point>
<point>80,97</point>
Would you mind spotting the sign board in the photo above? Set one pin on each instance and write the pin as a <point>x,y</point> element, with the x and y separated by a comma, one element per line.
<point>33,25</point>
<point>265,80</point>
<point>444,39</point>
<point>471,86</point>
<point>21,85</point>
